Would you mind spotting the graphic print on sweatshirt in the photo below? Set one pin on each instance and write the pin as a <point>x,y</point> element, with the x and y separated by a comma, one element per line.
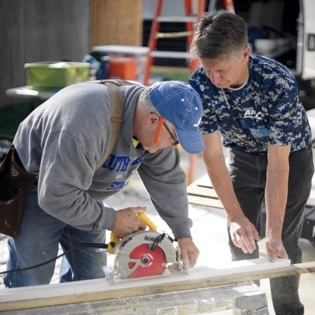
<point>121,169</point>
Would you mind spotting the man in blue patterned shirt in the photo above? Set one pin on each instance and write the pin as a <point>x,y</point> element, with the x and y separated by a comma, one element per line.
<point>253,102</point>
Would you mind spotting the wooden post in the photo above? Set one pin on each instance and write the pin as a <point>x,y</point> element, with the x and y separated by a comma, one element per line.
<point>116,22</point>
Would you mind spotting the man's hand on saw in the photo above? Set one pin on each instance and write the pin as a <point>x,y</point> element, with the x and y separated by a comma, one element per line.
<point>188,251</point>
<point>244,235</point>
<point>127,221</point>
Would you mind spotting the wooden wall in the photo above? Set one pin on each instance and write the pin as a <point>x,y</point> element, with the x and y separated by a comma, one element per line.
<point>40,30</point>
<point>53,30</point>
<point>116,22</point>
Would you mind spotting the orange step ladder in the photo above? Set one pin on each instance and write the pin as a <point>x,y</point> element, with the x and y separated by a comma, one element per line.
<point>189,19</point>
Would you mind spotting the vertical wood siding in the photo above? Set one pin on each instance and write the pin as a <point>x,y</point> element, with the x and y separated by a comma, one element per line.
<point>40,30</point>
<point>53,30</point>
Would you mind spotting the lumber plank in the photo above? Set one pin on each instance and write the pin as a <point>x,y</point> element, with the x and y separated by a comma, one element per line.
<point>202,193</point>
<point>204,201</point>
<point>204,181</point>
<point>101,289</point>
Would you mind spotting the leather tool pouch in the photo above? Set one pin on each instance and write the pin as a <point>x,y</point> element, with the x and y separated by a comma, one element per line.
<point>15,185</point>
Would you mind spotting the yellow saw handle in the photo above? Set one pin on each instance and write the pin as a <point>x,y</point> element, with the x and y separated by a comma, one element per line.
<point>114,239</point>
<point>145,219</point>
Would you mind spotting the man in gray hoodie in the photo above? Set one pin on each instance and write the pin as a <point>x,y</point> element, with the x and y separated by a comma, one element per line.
<point>64,139</point>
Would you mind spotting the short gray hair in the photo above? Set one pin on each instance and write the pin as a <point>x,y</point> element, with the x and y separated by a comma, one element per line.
<point>145,103</point>
<point>219,34</point>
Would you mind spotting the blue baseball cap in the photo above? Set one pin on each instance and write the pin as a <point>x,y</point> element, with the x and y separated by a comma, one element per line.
<point>180,104</point>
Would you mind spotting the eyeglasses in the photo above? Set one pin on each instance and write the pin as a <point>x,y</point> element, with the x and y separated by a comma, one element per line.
<point>176,142</point>
<point>158,132</point>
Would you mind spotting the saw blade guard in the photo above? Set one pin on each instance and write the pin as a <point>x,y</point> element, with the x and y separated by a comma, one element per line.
<point>144,254</point>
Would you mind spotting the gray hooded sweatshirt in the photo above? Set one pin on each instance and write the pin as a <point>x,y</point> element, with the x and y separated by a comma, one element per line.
<point>65,138</point>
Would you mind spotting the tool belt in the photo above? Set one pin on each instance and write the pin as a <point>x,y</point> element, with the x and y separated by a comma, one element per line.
<point>15,185</point>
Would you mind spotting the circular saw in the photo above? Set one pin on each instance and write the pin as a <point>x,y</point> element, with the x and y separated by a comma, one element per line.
<point>145,253</point>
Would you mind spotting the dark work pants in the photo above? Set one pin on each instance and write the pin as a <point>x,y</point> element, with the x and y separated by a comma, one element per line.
<point>248,174</point>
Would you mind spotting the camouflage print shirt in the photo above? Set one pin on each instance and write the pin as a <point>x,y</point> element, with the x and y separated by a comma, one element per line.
<point>265,110</point>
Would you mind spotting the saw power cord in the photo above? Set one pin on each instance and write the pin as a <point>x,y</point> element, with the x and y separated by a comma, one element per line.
<point>155,243</point>
<point>92,245</point>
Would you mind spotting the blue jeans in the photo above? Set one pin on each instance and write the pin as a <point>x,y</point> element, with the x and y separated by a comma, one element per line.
<point>248,174</point>
<point>40,235</point>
